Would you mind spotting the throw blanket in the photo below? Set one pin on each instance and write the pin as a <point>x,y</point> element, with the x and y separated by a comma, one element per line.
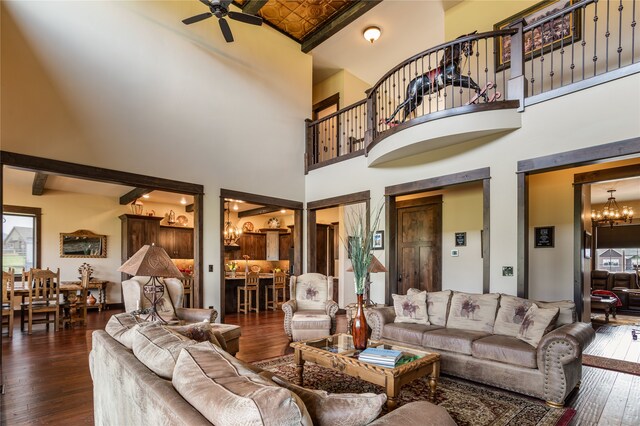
<point>609,294</point>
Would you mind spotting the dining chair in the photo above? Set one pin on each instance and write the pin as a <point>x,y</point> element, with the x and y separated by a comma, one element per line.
<point>187,283</point>
<point>43,300</point>
<point>8,281</point>
<point>74,308</point>
<point>251,285</point>
<point>278,290</point>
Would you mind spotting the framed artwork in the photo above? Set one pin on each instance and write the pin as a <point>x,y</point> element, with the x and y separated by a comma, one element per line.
<point>461,239</point>
<point>83,243</point>
<point>378,240</point>
<point>544,237</point>
<point>560,32</point>
<point>587,245</point>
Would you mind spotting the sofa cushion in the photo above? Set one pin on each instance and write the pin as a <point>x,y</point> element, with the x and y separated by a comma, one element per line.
<point>312,293</point>
<point>406,332</point>
<point>438,307</point>
<point>452,339</point>
<point>567,314</point>
<point>411,308</point>
<point>158,348</point>
<point>505,349</point>
<point>537,322</point>
<point>338,409</point>
<point>226,392</point>
<point>473,311</point>
<point>123,327</point>
<point>510,315</point>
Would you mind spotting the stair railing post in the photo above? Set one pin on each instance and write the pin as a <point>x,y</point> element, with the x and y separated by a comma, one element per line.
<point>517,85</point>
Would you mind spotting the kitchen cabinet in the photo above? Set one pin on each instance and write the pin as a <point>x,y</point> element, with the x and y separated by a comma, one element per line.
<point>284,245</point>
<point>176,241</point>
<point>273,245</point>
<point>252,244</point>
<point>136,232</point>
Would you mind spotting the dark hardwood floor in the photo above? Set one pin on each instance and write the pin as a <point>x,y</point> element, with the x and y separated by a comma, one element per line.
<point>47,379</point>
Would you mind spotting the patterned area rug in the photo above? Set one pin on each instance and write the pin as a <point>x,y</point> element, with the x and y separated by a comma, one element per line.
<point>620,320</point>
<point>468,403</point>
<point>611,364</point>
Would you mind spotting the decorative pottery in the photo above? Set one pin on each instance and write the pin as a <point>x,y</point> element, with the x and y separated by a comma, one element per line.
<point>233,274</point>
<point>91,300</point>
<point>273,223</point>
<point>182,220</point>
<point>171,219</point>
<point>359,326</point>
<point>247,227</point>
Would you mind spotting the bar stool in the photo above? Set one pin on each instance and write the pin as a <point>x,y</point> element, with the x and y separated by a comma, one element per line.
<point>276,289</point>
<point>187,283</point>
<point>251,284</point>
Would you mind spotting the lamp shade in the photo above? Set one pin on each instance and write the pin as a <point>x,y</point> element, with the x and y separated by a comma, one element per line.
<point>151,261</point>
<point>374,266</point>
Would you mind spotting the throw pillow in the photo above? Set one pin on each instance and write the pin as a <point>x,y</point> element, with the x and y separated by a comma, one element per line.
<point>226,392</point>
<point>312,293</point>
<point>337,409</point>
<point>158,348</point>
<point>510,315</point>
<point>438,307</point>
<point>475,312</point>
<point>411,308</point>
<point>567,314</point>
<point>123,327</point>
<point>200,332</point>
<point>537,322</point>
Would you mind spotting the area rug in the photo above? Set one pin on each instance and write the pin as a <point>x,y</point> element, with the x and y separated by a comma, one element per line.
<point>620,320</point>
<point>468,403</point>
<point>611,364</point>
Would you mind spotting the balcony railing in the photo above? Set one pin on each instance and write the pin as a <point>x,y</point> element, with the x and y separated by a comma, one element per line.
<point>574,48</point>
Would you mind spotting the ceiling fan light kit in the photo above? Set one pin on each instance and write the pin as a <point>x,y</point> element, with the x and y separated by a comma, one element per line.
<point>220,9</point>
<point>371,34</point>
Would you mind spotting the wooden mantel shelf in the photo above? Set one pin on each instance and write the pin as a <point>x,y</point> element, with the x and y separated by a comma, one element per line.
<point>280,230</point>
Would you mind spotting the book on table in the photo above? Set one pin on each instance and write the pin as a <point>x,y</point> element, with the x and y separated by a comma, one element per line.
<point>380,356</point>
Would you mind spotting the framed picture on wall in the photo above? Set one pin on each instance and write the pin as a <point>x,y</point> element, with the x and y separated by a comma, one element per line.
<point>461,239</point>
<point>378,240</point>
<point>543,236</point>
<point>587,245</point>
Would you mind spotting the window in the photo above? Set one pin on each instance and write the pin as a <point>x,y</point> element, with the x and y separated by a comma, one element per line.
<point>619,260</point>
<point>20,238</point>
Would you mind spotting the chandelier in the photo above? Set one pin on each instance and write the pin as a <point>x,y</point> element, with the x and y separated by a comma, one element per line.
<point>611,213</point>
<point>231,233</point>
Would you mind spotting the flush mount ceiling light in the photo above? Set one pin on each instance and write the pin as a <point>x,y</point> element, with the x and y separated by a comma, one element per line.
<point>371,34</point>
<point>235,207</point>
<point>183,201</point>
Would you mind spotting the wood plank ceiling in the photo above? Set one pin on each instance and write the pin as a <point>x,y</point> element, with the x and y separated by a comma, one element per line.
<point>309,22</point>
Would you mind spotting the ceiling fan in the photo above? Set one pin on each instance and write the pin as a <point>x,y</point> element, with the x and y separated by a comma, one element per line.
<point>220,9</point>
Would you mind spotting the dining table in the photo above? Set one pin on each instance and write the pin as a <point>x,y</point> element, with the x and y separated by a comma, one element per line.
<point>67,287</point>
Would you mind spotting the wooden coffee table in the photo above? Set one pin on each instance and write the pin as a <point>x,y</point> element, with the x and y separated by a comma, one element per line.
<point>607,304</point>
<point>337,353</point>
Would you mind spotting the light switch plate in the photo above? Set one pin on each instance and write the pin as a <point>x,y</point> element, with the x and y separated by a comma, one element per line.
<point>210,268</point>
<point>507,271</point>
<point>455,253</point>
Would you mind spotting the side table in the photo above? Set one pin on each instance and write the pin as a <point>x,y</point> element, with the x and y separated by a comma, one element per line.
<point>351,311</point>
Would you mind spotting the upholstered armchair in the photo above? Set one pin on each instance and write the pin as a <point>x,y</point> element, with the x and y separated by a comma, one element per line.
<point>310,312</point>
<point>170,307</point>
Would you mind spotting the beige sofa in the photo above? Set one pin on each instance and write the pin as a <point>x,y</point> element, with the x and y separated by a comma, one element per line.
<point>165,379</point>
<point>490,352</point>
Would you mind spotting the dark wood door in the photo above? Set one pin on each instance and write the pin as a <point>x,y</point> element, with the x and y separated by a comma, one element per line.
<point>322,259</point>
<point>419,244</point>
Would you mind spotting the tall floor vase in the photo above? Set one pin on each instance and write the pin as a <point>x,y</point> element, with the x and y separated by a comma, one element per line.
<point>359,326</point>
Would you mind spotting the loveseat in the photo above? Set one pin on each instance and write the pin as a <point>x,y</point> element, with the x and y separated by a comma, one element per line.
<point>533,348</point>
<point>147,374</point>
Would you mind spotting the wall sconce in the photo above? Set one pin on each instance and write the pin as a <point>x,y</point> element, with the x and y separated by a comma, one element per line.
<point>371,34</point>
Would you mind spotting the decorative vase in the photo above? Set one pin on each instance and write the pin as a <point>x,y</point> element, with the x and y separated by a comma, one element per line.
<point>233,274</point>
<point>91,300</point>
<point>359,326</point>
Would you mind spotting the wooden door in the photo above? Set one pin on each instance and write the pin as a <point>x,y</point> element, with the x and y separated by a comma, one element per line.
<point>322,260</point>
<point>419,244</point>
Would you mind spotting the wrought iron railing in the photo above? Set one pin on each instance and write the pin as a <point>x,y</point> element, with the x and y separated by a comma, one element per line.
<point>526,62</point>
<point>338,135</point>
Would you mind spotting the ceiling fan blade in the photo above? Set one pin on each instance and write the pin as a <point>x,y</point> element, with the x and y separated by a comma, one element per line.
<point>226,31</point>
<point>246,18</point>
<point>197,18</point>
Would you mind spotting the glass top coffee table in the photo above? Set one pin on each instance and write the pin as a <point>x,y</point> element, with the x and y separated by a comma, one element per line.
<point>338,353</point>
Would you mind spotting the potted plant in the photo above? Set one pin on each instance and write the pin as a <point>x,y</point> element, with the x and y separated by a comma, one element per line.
<point>359,245</point>
<point>233,265</point>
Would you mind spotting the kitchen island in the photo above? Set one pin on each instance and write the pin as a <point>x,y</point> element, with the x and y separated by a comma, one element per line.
<point>231,290</point>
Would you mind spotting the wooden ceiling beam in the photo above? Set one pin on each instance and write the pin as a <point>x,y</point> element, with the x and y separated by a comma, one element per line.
<point>337,23</point>
<point>258,211</point>
<point>39,181</point>
<point>133,195</point>
<point>252,7</point>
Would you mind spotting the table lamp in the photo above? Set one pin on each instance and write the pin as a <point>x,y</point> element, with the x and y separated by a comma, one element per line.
<point>374,266</point>
<point>153,262</point>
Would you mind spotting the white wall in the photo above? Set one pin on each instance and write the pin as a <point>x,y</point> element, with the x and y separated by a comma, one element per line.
<point>127,86</point>
<point>566,123</point>
<point>350,88</point>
